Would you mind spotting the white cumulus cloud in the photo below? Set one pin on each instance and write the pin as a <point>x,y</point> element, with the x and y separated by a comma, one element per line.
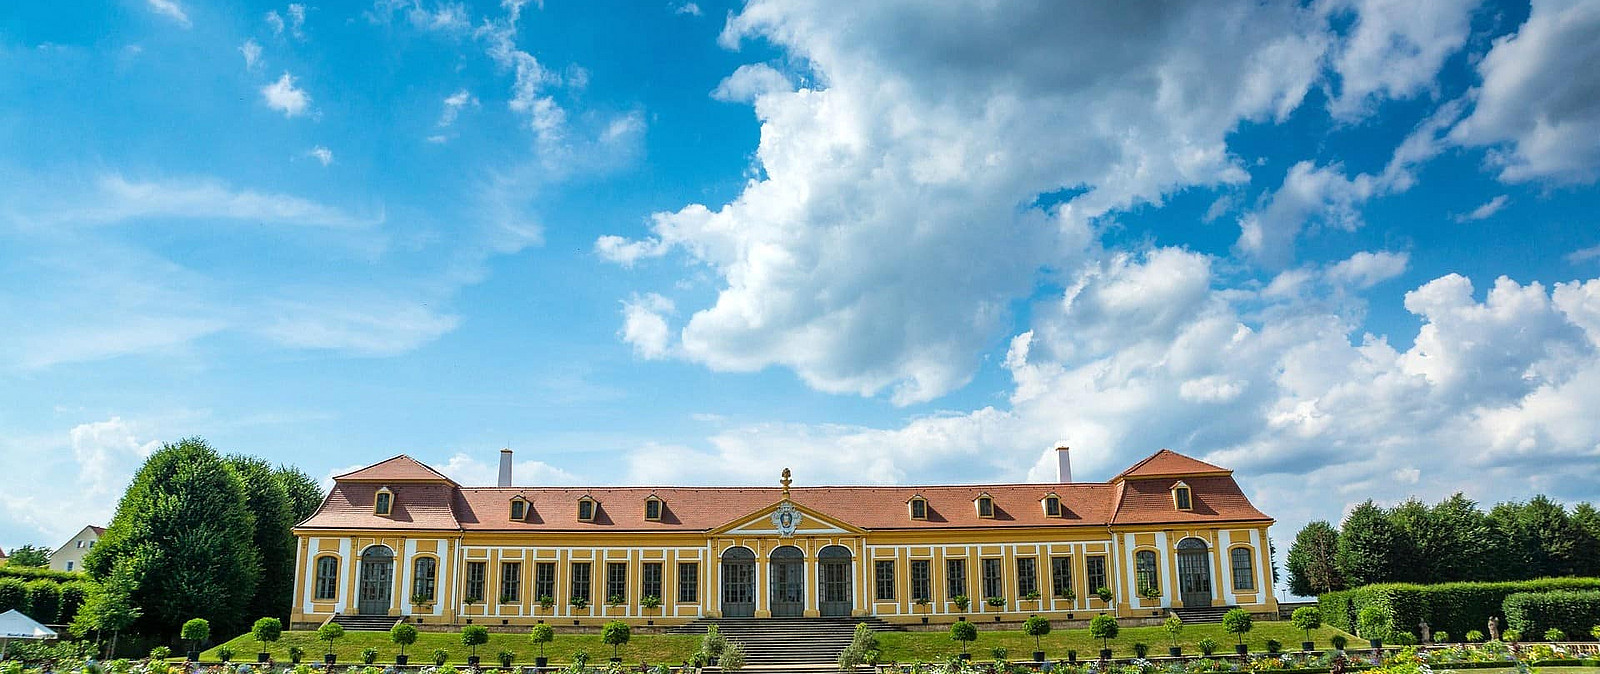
<point>285,97</point>
<point>170,9</point>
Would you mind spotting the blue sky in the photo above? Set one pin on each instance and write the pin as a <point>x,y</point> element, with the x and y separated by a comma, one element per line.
<point>1345,247</point>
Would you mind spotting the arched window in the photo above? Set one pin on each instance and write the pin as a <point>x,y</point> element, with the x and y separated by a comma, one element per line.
<point>919,508</point>
<point>1244,572</point>
<point>423,572</point>
<point>1182,497</point>
<point>327,578</point>
<point>652,508</point>
<point>985,506</point>
<point>1052,506</point>
<point>1144,566</point>
<point>586,508</point>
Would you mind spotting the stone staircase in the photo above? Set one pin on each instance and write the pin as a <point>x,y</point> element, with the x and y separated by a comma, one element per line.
<point>365,623</point>
<point>797,645</point>
<point>1202,614</point>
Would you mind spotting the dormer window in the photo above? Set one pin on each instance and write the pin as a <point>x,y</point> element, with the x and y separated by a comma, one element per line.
<point>383,504</point>
<point>519,508</point>
<point>1182,499</point>
<point>919,508</point>
<point>1052,505</point>
<point>985,505</point>
<point>652,508</point>
<point>586,507</point>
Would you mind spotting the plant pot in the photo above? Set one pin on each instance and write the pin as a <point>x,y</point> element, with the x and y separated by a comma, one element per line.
<point>924,620</point>
<point>1375,643</point>
<point>1307,646</point>
<point>965,656</point>
<point>1038,656</point>
<point>1175,652</point>
<point>473,660</point>
<point>263,657</point>
<point>1241,649</point>
<point>330,658</point>
<point>541,662</point>
<point>401,660</point>
<point>192,656</point>
<point>1105,654</point>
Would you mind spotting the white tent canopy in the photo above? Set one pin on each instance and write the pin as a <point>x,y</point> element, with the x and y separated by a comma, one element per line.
<point>14,625</point>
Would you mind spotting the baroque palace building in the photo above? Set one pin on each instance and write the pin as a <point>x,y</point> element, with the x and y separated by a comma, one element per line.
<point>401,539</point>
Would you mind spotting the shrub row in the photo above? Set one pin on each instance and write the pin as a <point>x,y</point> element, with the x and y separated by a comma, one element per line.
<point>43,600</point>
<point>1574,612</point>
<point>1455,608</point>
<point>33,573</point>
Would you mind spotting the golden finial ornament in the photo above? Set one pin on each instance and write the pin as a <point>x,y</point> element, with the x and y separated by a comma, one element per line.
<point>785,482</point>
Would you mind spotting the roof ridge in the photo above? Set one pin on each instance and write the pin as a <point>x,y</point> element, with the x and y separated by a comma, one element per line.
<point>405,458</point>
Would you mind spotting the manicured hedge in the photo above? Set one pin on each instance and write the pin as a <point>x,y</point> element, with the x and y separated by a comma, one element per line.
<point>44,601</point>
<point>13,595</point>
<point>32,573</point>
<point>1571,611</point>
<point>1449,607</point>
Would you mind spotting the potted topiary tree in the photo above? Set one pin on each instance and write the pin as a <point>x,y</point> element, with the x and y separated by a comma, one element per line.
<point>961,602</point>
<point>1036,627</point>
<point>999,604</point>
<point>402,634</point>
<point>1033,596</point>
<point>194,632</point>
<point>1104,593</point>
<point>578,603</point>
<point>330,632</point>
<point>440,656</point>
<point>1207,646</point>
<point>650,602</point>
<point>964,633</point>
<point>613,602</point>
<point>369,655</point>
<point>473,636</point>
<point>1174,627</point>
<point>540,635</point>
<point>615,634</point>
<point>296,654</point>
<point>266,631</point>
<point>925,604</point>
<point>1150,592</point>
<point>1306,618</point>
<point>505,658</point>
<point>1374,624</point>
<point>1104,628</point>
<point>547,603</point>
<point>1237,621</point>
<point>712,645</point>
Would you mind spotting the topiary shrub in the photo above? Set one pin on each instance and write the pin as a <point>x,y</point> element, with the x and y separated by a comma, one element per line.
<point>224,653</point>
<point>540,635</point>
<point>964,633</point>
<point>1441,638</point>
<point>13,595</point>
<point>473,636</point>
<point>1305,619</point>
<point>44,601</point>
<point>506,658</point>
<point>1570,611</point>
<point>1036,627</point>
<point>1104,628</point>
<point>615,634</point>
<point>1238,621</point>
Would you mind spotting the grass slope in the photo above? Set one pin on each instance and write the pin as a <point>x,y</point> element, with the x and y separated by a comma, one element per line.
<point>937,646</point>
<point>652,648</point>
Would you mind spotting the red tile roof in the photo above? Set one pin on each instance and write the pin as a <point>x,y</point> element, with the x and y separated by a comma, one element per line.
<point>1167,463</point>
<point>401,468</point>
<point>444,505</point>
<point>98,531</point>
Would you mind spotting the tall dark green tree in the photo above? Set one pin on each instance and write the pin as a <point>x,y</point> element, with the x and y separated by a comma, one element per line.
<point>268,500</point>
<point>1414,536</point>
<point>1587,519</point>
<point>305,495</point>
<point>1453,547</point>
<point>185,531</point>
<point>1367,546</point>
<point>1313,560</point>
<point>1557,538</point>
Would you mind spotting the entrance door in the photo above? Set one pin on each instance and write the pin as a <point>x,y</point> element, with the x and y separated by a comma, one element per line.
<point>377,581</point>
<point>833,570</point>
<point>788,582</point>
<point>738,583</point>
<point>1194,573</point>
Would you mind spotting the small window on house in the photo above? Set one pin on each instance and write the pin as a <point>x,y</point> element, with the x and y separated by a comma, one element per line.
<point>652,509</point>
<point>985,506</point>
<point>1052,506</point>
<point>519,509</point>
<point>1181,497</point>
<point>919,508</point>
<point>384,503</point>
<point>586,509</point>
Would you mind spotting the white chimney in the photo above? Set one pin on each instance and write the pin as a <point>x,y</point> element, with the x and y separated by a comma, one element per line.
<point>1064,464</point>
<point>505,467</point>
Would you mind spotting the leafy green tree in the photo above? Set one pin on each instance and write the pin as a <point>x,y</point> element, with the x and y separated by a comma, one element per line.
<point>31,556</point>
<point>266,631</point>
<point>963,632</point>
<point>331,632</point>
<point>615,634</point>
<point>109,607</point>
<point>1238,621</point>
<point>305,495</point>
<point>268,500</point>
<point>1036,627</point>
<point>1367,546</point>
<point>1587,520</point>
<point>184,525</point>
<point>1104,628</point>
<point>540,635</point>
<point>1453,546</point>
<point>196,631</point>
<point>1306,618</point>
<point>44,600</point>
<point>1313,560</point>
<point>474,636</point>
<point>403,634</point>
<point>1412,524</point>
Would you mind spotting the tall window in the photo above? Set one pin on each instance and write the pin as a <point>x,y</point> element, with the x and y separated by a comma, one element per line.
<point>1244,573</point>
<point>519,509</point>
<point>1182,498</point>
<point>994,579</point>
<point>921,588</point>
<point>1060,576</point>
<point>384,503</point>
<point>1144,569</point>
<point>688,582</point>
<point>650,580</point>
<point>586,510</point>
<point>327,578</point>
<point>580,580</point>
<point>883,580</point>
<point>544,580</point>
<point>423,574</point>
<point>985,506</point>
<point>475,573</point>
<point>510,582</point>
<point>955,577</point>
<point>919,509</point>
<point>1095,571</point>
<point>616,582</point>
<point>652,509</point>
<point>1052,506</point>
<point>1027,576</point>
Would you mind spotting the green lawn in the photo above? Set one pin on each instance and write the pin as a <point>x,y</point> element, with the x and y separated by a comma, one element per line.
<point>937,646</point>
<point>652,648</point>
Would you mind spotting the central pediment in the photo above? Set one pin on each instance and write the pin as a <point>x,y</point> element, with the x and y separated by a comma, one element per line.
<point>804,521</point>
